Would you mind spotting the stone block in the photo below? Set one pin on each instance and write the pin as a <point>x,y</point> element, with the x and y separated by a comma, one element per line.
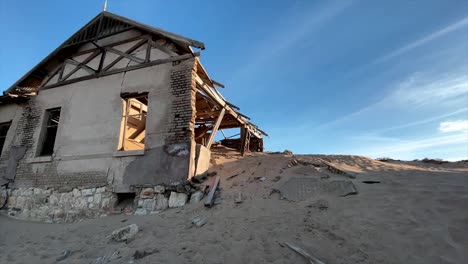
<point>80,203</point>
<point>66,199</point>
<point>87,192</point>
<point>106,202</point>
<point>140,203</point>
<point>11,201</point>
<point>161,203</point>
<point>127,233</point>
<point>97,199</point>
<point>159,189</point>
<point>54,198</point>
<point>76,193</point>
<point>100,189</point>
<point>27,192</point>
<point>148,204</point>
<point>177,199</point>
<point>196,197</point>
<point>147,193</point>
<point>20,201</point>
<point>141,211</point>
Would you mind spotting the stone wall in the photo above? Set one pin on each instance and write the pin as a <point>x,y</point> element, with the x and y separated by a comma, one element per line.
<point>50,205</point>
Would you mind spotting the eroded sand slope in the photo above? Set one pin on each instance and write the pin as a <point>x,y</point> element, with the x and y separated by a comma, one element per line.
<point>417,213</point>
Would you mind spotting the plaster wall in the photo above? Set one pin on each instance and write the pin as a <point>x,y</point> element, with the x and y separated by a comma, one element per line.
<point>85,153</point>
<point>202,159</point>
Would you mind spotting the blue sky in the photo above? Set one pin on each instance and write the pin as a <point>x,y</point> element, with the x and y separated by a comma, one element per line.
<point>374,78</point>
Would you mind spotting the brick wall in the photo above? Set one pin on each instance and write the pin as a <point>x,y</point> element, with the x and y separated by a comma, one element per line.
<point>47,175</point>
<point>183,89</point>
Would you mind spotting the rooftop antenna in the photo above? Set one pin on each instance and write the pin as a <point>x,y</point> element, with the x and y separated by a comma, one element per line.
<point>104,8</point>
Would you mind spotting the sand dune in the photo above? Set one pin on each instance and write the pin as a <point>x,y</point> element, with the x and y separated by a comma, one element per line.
<point>416,213</point>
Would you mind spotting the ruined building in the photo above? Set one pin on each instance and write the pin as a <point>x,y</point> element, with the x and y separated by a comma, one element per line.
<point>118,107</point>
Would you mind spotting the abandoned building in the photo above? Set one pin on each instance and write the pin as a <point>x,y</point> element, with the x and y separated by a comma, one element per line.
<point>118,107</point>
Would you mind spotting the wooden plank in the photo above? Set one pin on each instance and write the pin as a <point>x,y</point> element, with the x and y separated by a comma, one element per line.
<point>244,133</point>
<point>128,56</point>
<point>300,251</point>
<point>217,84</point>
<point>163,49</point>
<point>83,66</point>
<point>130,68</point>
<point>210,198</point>
<point>130,50</point>
<point>92,56</point>
<point>148,50</point>
<point>215,128</point>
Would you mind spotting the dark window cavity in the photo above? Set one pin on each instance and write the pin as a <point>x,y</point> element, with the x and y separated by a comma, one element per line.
<point>52,117</point>
<point>3,133</point>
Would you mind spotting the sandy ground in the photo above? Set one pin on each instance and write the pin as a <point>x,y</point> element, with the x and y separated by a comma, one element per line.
<point>418,213</point>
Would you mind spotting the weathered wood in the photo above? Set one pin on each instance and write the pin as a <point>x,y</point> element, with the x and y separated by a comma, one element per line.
<point>244,140</point>
<point>215,128</point>
<point>53,73</point>
<point>92,56</point>
<point>130,68</point>
<point>163,49</point>
<point>235,175</point>
<point>148,50</point>
<point>203,132</point>
<point>300,251</point>
<point>210,198</point>
<point>81,65</point>
<point>126,55</point>
<point>217,84</point>
<point>130,50</point>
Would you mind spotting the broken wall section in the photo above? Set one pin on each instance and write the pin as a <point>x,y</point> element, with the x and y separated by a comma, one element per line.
<point>169,144</point>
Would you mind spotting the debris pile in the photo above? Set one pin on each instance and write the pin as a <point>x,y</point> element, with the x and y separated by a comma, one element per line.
<point>155,199</point>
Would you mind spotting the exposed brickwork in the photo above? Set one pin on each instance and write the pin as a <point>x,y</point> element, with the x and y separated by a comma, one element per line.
<point>47,175</point>
<point>183,89</point>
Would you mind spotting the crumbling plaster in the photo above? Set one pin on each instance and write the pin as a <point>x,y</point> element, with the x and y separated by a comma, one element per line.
<point>88,134</point>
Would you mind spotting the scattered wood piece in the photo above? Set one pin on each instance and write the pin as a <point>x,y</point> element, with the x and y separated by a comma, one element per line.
<point>65,254</point>
<point>141,254</point>
<point>235,175</point>
<point>210,199</point>
<point>238,199</point>
<point>300,251</point>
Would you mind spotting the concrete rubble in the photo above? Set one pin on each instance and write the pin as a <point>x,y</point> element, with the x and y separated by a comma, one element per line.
<point>125,234</point>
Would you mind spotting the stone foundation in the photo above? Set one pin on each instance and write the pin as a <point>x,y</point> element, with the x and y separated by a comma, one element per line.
<point>159,198</point>
<point>61,205</point>
<point>50,205</point>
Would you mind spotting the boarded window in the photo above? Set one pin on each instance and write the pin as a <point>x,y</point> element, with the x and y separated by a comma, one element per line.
<point>3,133</point>
<point>133,126</point>
<point>52,117</point>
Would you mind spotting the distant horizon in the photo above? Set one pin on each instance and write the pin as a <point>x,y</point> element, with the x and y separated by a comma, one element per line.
<point>375,79</point>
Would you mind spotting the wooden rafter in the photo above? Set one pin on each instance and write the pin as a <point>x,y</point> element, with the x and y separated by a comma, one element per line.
<point>215,128</point>
<point>65,78</point>
<point>130,50</point>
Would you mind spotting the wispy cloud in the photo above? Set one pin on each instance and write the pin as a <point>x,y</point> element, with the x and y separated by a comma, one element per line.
<point>454,126</point>
<point>398,148</point>
<point>300,26</point>
<point>417,91</point>
<point>460,24</point>
<point>424,40</point>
